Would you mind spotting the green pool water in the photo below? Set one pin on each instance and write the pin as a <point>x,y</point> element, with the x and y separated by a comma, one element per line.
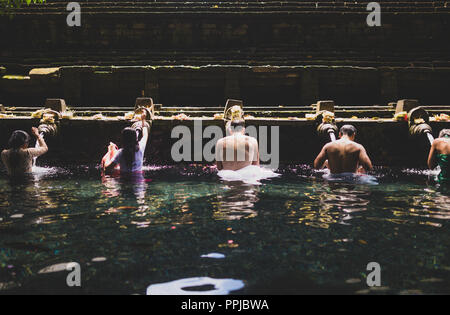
<point>293,234</point>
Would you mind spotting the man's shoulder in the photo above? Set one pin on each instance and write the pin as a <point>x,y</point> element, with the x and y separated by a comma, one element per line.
<point>439,140</point>
<point>439,143</point>
<point>344,144</point>
<point>358,147</point>
<point>251,139</point>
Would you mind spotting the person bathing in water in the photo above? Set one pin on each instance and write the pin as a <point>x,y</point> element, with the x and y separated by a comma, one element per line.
<point>18,159</point>
<point>440,155</point>
<point>131,157</point>
<point>237,150</point>
<point>344,156</point>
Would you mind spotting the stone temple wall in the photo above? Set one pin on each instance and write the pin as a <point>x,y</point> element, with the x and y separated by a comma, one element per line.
<point>326,48</point>
<point>113,37</point>
<point>203,52</point>
<point>86,141</point>
<point>212,85</point>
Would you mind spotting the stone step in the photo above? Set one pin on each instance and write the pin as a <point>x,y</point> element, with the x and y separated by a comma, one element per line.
<point>302,2</point>
<point>22,62</point>
<point>230,9</point>
<point>361,5</point>
<point>195,33</point>
<point>291,6</point>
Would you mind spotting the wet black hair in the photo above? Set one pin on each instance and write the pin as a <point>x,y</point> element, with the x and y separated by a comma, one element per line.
<point>18,139</point>
<point>130,145</point>
<point>445,133</point>
<point>237,125</point>
<point>348,130</point>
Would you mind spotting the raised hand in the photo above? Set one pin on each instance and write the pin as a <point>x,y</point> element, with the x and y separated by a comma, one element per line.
<point>35,132</point>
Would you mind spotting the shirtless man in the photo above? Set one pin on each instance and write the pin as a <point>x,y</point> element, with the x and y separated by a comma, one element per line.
<point>237,150</point>
<point>344,155</point>
<point>440,155</point>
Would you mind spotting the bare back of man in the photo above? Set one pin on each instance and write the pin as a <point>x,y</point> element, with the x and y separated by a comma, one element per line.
<point>343,155</point>
<point>236,151</point>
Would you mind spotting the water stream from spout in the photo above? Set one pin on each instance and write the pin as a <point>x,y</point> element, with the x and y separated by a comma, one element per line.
<point>332,136</point>
<point>430,137</point>
<point>37,146</point>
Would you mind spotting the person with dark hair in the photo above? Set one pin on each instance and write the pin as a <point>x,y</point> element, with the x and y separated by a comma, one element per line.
<point>344,156</point>
<point>131,157</point>
<point>18,159</point>
<point>237,150</point>
<point>440,155</point>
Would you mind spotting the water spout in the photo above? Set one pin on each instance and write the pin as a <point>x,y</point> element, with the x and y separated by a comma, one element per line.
<point>37,146</point>
<point>327,130</point>
<point>430,137</point>
<point>332,136</point>
<point>48,129</point>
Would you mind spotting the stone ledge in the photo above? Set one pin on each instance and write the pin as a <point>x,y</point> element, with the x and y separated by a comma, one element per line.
<point>43,72</point>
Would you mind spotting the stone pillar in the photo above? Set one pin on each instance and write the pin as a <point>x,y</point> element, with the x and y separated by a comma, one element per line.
<point>309,89</point>
<point>325,105</point>
<point>56,104</point>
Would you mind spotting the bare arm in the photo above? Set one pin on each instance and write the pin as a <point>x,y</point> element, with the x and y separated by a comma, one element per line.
<point>219,154</point>
<point>364,159</point>
<point>255,154</point>
<point>143,142</point>
<point>321,158</point>
<point>432,163</point>
<point>35,152</point>
<point>110,165</point>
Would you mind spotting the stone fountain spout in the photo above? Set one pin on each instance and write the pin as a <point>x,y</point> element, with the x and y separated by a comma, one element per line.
<point>49,123</point>
<point>325,120</point>
<point>418,121</point>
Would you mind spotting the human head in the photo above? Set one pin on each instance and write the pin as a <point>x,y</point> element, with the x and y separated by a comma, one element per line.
<point>19,139</point>
<point>445,133</point>
<point>129,137</point>
<point>236,126</point>
<point>349,131</point>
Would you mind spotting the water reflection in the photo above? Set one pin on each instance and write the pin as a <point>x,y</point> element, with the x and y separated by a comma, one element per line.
<point>323,204</point>
<point>236,201</point>
<point>126,186</point>
<point>432,204</point>
<point>146,232</point>
<point>25,195</point>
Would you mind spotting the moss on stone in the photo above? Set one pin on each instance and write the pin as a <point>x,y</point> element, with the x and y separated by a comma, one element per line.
<point>15,77</point>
